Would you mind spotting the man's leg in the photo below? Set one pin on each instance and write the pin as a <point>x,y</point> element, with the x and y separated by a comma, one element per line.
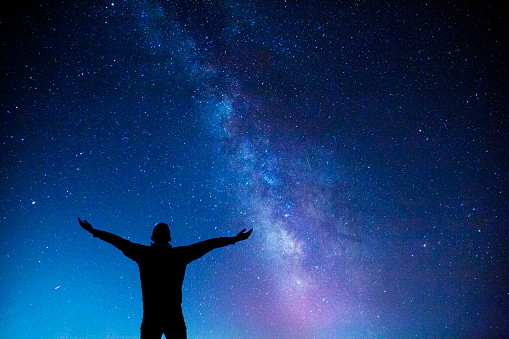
<point>175,326</point>
<point>150,334</point>
<point>150,328</point>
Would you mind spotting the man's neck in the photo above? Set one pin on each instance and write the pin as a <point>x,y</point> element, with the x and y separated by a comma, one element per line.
<point>161,245</point>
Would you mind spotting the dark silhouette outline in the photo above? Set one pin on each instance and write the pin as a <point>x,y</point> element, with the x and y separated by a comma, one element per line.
<point>162,269</point>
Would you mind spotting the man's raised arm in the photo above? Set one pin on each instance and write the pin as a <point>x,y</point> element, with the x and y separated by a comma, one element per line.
<point>201,248</point>
<point>113,239</point>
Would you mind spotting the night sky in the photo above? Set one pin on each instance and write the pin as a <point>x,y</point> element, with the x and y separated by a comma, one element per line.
<point>366,143</point>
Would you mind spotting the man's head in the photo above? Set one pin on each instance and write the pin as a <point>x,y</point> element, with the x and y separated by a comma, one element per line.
<point>161,234</point>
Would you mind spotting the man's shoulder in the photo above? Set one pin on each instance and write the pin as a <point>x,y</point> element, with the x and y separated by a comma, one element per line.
<point>180,251</point>
<point>133,250</point>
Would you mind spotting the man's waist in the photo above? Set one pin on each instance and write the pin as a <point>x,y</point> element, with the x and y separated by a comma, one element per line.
<point>162,299</point>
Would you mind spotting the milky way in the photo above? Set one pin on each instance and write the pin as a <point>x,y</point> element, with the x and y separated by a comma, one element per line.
<point>364,143</point>
<point>302,212</point>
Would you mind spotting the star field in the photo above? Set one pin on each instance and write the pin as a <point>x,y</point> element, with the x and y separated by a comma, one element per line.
<point>365,143</point>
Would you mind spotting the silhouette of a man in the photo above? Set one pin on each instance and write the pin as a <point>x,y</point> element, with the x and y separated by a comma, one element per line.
<point>162,268</point>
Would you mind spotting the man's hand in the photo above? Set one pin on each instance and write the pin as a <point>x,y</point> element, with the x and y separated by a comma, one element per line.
<point>86,226</point>
<point>243,235</point>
